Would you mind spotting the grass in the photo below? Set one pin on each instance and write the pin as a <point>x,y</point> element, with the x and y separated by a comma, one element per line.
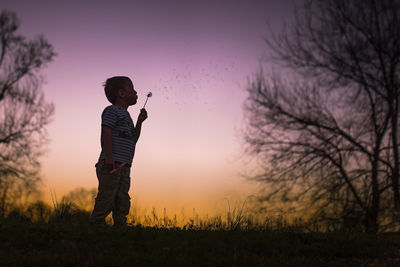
<point>67,239</point>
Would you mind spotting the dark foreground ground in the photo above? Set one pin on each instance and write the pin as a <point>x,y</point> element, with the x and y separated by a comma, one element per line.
<point>23,243</point>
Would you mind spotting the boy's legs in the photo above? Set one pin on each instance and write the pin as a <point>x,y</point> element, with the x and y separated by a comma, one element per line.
<point>107,191</point>
<point>122,199</point>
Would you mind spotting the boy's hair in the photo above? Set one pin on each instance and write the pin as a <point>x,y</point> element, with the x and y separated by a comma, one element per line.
<point>113,84</point>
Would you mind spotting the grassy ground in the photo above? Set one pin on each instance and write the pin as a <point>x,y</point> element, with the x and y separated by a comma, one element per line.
<point>76,243</point>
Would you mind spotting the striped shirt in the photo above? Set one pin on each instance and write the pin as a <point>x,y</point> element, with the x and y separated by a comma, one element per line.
<point>123,134</point>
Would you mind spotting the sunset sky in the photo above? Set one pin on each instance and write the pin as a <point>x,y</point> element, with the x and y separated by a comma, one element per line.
<point>196,58</point>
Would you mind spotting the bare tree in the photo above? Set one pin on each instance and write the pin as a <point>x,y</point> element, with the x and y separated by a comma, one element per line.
<point>327,134</point>
<point>24,114</point>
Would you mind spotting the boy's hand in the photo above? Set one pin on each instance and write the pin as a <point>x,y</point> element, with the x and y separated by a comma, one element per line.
<point>142,116</point>
<point>109,162</point>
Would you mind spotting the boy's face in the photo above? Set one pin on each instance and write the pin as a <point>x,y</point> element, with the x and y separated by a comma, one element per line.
<point>129,94</point>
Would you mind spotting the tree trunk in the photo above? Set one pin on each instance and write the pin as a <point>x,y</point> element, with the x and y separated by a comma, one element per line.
<point>395,173</point>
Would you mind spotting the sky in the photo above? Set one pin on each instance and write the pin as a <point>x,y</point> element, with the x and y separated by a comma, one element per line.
<point>194,56</point>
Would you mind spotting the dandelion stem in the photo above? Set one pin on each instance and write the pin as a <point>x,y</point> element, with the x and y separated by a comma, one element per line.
<point>145,102</point>
<point>148,95</point>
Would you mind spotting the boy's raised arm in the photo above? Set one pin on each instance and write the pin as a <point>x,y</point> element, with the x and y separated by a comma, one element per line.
<point>142,117</point>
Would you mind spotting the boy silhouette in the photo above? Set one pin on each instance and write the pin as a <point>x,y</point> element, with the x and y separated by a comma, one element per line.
<point>118,140</point>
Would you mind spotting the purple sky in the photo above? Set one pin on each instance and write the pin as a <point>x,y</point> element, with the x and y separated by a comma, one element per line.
<point>195,56</point>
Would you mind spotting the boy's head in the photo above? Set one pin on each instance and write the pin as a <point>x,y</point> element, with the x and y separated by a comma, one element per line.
<point>120,87</point>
